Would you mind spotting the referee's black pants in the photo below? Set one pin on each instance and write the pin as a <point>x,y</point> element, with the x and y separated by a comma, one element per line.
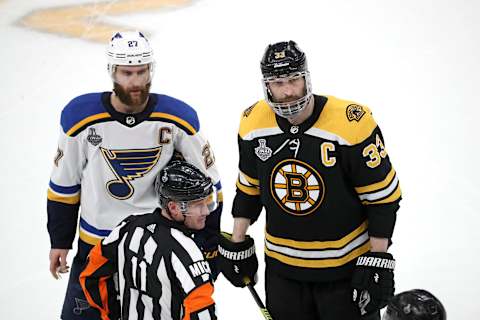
<point>288,299</point>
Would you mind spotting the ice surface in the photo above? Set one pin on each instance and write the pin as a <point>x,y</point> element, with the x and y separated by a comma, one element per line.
<point>414,62</point>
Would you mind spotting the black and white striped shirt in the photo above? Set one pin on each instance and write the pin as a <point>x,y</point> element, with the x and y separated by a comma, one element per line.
<point>162,274</point>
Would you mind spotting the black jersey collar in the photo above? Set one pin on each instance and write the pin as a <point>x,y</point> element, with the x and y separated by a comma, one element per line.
<point>129,119</point>
<point>319,103</point>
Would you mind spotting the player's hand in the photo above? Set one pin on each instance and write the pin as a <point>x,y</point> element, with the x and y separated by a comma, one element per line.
<point>372,281</point>
<point>58,262</point>
<point>237,260</point>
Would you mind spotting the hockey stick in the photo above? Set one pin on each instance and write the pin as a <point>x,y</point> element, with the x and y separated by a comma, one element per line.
<point>257,299</point>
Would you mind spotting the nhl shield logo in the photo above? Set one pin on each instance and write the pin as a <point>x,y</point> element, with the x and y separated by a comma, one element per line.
<point>93,137</point>
<point>130,120</point>
<point>355,112</point>
<point>262,151</point>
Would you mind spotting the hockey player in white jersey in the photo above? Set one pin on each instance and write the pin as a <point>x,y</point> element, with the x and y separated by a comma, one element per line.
<point>111,147</point>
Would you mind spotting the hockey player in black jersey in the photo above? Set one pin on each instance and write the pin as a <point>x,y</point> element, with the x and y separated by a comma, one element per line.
<point>319,167</point>
<point>162,272</point>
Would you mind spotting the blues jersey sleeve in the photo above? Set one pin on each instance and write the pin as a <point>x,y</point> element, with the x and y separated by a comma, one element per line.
<point>64,188</point>
<point>373,177</point>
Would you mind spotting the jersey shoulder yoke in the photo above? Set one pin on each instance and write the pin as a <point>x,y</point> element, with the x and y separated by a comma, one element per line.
<point>257,118</point>
<point>82,111</point>
<point>175,111</point>
<point>350,122</point>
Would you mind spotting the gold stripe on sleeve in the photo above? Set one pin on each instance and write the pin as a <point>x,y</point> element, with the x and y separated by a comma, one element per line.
<point>68,200</point>
<point>378,185</point>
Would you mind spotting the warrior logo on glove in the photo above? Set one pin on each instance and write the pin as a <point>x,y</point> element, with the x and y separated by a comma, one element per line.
<point>237,260</point>
<point>373,284</point>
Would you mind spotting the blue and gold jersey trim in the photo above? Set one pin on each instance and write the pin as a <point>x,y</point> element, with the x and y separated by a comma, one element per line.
<point>319,254</point>
<point>385,191</point>
<point>83,111</point>
<point>175,111</point>
<point>218,186</point>
<point>81,125</point>
<point>67,195</point>
<point>179,122</point>
<point>90,234</point>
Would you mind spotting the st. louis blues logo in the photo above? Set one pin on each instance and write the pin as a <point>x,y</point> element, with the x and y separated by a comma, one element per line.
<point>128,165</point>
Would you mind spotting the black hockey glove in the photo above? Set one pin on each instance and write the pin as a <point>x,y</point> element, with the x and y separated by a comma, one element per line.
<point>237,260</point>
<point>372,282</point>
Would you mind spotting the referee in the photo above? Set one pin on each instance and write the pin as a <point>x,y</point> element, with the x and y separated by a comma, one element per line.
<point>162,274</point>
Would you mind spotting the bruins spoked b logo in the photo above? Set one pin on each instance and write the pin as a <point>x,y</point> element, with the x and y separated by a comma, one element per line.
<point>297,187</point>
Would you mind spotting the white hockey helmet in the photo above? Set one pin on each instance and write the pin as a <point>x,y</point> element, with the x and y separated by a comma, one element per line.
<point>129,48</point>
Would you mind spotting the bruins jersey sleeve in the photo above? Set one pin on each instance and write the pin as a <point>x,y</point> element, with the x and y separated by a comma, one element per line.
<point>367,166</point>
<point>247,202</point>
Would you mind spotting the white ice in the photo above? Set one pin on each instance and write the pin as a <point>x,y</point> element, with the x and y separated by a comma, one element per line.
<point>416,63</point>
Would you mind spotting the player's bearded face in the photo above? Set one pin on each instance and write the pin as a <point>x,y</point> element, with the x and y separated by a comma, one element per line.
<point>287,89</point>
<point>132,84</point>
<point>133,95</point>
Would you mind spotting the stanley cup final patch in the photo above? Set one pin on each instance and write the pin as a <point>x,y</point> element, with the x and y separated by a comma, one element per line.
<point>355,112</point>
<point>93,137</point>
<point>262,151</point>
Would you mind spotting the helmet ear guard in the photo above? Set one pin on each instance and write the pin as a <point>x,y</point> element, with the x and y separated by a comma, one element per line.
<point>129,48</point>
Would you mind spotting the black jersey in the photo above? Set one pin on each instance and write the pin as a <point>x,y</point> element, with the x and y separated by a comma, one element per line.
<point>162,274</point>
<point>326,186</point>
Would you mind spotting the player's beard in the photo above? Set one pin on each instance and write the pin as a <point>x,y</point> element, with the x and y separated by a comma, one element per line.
<point>125,95</point>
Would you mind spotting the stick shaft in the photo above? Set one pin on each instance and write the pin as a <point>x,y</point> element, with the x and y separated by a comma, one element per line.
<point>259,302</point>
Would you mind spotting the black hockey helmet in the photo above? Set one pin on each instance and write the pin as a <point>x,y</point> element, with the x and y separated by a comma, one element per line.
<point>182,182</point>
<point>282,59</point>
<point>415,304</point>
<point>285,60</point>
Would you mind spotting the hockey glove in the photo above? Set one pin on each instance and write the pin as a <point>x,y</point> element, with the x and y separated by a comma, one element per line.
<point>237,260</point>
<point>372,281</point>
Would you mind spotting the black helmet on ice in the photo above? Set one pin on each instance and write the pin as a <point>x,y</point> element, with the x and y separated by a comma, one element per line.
<point>415,304</point>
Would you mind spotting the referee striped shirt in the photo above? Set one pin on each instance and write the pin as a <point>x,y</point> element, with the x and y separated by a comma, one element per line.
<point>162,274</point>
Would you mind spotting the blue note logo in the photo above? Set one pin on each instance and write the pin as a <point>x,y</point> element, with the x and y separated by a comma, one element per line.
<point>128,165</point>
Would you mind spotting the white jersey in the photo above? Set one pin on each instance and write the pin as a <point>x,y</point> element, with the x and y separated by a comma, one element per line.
<point>107,162</point>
